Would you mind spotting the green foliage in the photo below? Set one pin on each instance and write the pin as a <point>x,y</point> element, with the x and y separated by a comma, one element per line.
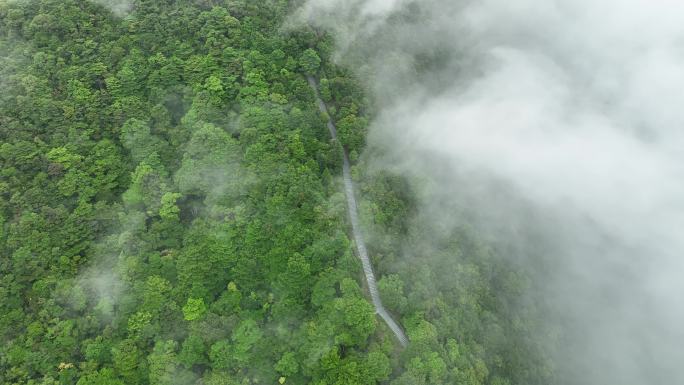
<point>392,292</point>
<point>129,362</point>
<point>103,377</point>
<point>169,213</point>
<point>137,138</point>
<point>147,187</point>
<point>287,365</point>
<point>193,351</point>
<point>244,337</point>
<point>63,157</point>
<point>162,363</point>
<point>138,322</point>
<point>210,165</point>
<point>309,61</point>
<point>169,210</point>
<point>194,309</point>
<point>220,355</point>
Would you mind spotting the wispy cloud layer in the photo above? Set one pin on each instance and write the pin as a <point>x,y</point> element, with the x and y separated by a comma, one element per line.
<point>118,7</point>
<point>575,107</point>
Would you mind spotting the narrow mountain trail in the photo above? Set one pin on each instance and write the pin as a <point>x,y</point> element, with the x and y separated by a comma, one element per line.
<point>356,227</point>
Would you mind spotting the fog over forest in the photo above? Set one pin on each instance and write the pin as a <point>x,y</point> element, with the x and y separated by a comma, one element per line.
<point>341,192</point>
<point>555,127</point>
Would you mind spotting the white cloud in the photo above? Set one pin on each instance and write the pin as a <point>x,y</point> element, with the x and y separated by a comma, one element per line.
<point>118,7</point>
<point>576,105</point>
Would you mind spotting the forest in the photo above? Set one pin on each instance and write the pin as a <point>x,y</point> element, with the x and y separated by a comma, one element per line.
<point>172,212</point>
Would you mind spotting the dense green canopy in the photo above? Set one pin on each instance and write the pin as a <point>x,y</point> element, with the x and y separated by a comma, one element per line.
<point>170,213</point>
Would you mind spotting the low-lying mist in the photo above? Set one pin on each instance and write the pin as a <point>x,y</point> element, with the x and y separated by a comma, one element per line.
<point>118,7</point>
<point>557,128</point>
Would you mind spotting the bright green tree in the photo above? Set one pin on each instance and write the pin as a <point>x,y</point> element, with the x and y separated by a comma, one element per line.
<point>194,309</point>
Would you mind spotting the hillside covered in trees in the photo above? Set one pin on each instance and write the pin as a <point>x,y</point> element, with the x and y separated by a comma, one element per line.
<point>171,212</point>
